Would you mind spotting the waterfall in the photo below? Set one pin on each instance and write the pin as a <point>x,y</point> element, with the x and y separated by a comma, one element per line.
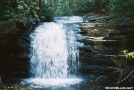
<point>49,51</point>
<point>54,52</point>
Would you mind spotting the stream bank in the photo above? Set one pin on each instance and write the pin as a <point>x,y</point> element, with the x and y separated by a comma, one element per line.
<point>104,43</point>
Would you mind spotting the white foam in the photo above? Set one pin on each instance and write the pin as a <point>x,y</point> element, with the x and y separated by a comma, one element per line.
<point>54,81</point>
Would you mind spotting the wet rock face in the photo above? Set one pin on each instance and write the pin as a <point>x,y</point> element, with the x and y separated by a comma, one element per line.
<point>15,55</point>
<point>107,35</point>
<point>103,42</point>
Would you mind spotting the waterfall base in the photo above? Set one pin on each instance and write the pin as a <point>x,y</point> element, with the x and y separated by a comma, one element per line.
<point>52,82</point>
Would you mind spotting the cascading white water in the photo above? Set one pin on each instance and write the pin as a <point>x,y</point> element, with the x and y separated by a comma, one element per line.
<point>54,54</point>
<point>49,51</point>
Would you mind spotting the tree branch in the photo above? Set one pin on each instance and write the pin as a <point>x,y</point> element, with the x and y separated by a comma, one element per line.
<point>125,77</point>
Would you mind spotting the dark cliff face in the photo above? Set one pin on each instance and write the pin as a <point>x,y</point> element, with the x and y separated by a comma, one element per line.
<point>104,42</point>
<point>15,55</point>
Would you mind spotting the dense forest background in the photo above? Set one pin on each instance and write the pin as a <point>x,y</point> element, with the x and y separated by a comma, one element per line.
<point>16,13</point>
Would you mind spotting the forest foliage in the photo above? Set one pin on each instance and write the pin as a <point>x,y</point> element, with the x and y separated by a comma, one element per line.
<point>32,11</point>
<point>123,10</point>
